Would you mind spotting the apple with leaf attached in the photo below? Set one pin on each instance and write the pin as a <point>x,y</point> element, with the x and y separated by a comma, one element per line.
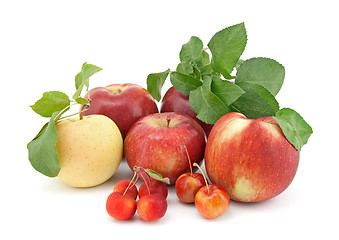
<point>253,148</point>
<point>81,151</point>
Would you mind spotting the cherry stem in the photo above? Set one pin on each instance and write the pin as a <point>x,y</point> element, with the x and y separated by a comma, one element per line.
<point>197,165</point>
<point>130,183</point>
<point>188,157</point>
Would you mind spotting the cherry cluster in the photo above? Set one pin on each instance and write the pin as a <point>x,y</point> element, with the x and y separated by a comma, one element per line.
<point>152,203</point>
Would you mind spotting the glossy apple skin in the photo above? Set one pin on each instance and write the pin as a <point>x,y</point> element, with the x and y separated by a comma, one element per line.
<point>188,185</point>
<point>152,144</point>
<point>250,158</point>
<point>214,203</point>
<point>175,101</point>
<point>123,103</point>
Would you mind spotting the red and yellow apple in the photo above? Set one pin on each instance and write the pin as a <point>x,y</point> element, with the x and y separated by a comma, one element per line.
<point>89,150</point>
<point>156,142</point>
<point>175,101</point>
<point>250,158</point>
<point>123,103</point>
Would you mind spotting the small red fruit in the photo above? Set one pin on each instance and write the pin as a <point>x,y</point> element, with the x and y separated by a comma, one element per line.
<point>122,187</point>
<point>152,207</point>
<point>212,201</point>
<point>154,186</point>
<point>121,207</point>
<point>188,184</point>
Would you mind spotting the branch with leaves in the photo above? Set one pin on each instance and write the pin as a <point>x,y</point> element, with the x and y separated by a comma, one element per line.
<point>214,90</point>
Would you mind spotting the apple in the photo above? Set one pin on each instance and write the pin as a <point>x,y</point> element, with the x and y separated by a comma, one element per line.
<point>250,158</point>
<point>156,142</point>
<point>123,103</point>
<point>212,201</point>
<point>176,101</point>
<point>188,184</point>
<point>89,150</point>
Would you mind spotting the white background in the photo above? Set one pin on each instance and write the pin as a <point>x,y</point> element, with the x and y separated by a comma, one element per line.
<point>42,47</point>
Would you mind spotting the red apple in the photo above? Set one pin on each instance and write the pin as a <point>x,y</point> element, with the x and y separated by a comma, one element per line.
<point>123,103</point>
<point>156,142</point>
<point>212,201</point>
<point>250,158</point>
<point>175,101</point>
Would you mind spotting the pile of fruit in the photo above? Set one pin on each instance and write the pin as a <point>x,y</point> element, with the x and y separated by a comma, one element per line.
<point>220,109</point>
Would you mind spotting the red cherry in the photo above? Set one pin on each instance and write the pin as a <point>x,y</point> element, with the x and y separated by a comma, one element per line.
<point>122,186</point>
<point>152,207</point>
<point>121,207</point>
<point>154,186</point>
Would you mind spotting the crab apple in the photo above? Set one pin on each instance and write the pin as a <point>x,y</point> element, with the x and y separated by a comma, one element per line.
<point>250,158</point>
<point>123,103</point>
<point>155,142</point>
<point>212,201</point>
<point>122,187</point>
<point>176,101</point>
<point>152,207</point>
<point>188,184</point>
<point>154,186</point>
<point>121,207</point>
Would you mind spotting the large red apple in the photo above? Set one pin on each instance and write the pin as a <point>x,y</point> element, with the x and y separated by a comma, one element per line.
<point>123,103</point>
<point>156,142</point>
<point>250,158</point>
<point>175,101</point>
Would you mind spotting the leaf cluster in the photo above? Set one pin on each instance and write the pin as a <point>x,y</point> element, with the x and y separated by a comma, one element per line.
<point>53,104</point>
<point>223,83</point>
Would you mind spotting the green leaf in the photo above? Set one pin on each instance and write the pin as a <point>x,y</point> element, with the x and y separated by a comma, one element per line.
<point>184,83</point>
<point>157,176</point>
<point>263,93</point>
<point>50,102</point>
<point>227,91</point>
<point>82,78</point>
<point>255,102</point>
<point>206,104</point>
<point>82,101</point>
<point>185,68</point>
<point>192,51</point>
<point>205,58</point>
<point>263,71</point>
<point>42,150</point>
<point>295,128</point>
<point>226,47</point>
<point>155,81</point>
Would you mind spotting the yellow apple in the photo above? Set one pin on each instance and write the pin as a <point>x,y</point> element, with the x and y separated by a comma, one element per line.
<point>89,150</point>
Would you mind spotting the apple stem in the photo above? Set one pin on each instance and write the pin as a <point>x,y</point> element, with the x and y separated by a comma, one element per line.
<point>197,165</point>
<point>131,183</point>
<point>188,157</point>
<point>168,121</point>
<point>270,120</point>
